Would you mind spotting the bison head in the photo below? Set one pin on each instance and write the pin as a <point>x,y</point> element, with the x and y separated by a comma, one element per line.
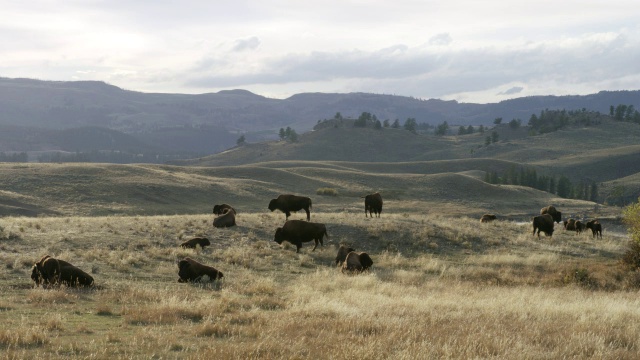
<point>278,237</point>
<point>35,274</point>
<point>273,204</point>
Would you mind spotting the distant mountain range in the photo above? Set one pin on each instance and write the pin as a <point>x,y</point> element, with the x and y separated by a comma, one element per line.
<point>94,116</point>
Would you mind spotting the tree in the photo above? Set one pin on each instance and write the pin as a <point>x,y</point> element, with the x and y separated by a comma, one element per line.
<point>338,116</point>
<point>515,123</point>
<point>240,140</point>
<point>377,125</point>
<point>593,193</point>
<point>631,217</point>
<point>282,134</point>
<point>470,129</point>
<point>462,130</point>
<point>564,187</point>
<point>410,125</point>
<point>396,124</point>
<point>487,140</point>
<point>481,129</point>
<point>442,128</point>
<point>497,121</point>
<point>293,136</point>
<point>494,136</point>
<point>385,123</point>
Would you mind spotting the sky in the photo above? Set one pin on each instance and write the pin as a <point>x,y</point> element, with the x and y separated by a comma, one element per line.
<point>477,51</point>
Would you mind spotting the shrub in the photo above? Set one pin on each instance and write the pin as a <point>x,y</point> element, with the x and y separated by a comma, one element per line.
<point>631,256</point>
<point>327,191</point>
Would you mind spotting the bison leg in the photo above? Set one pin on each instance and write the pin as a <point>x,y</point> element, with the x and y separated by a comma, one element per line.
<point>287,213</point>
<point>308,213</point>
<point>298,246</point>
<point>316,244</point>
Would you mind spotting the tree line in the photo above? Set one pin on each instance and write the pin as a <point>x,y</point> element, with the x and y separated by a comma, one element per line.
<point>14,157</point>
<point>561,186</point>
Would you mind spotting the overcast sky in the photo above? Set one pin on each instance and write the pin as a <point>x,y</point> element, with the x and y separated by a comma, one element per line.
<point>466,50</point>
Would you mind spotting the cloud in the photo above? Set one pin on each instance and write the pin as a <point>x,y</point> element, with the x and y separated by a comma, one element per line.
<point>251,43</point>
<point>512,91</point>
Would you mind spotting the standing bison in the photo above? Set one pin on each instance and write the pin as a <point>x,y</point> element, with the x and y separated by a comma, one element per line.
<point>551,210</point>
<point>343,251</point>
<point>288,203</point>
<point>487,218</point>
<point>373,204</point>
<point>222,208</point>
<point>193,243</point>
<point>357,262</point>
<point>190,270</point>
<point>543,223</point>
<point>299,231</point>
<point>227,219</point>
<point>596,228</point>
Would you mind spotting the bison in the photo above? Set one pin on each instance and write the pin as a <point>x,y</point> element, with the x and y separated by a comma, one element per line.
<point>73,276</point>
<point>46,271</point>
<point>299,231</point>
<point>373,204</point>
<point>569,225</point>
<point>357,262</point>
<point>543,223</point>
<point>222,208</point>
<point>343,251</point>
<point>551,210</point>
<point>190,270</point>
<point>596,228</point>
<point>193,243</point>
<point>289,203</point>
<point>580,226</point>
<point>227,219</point>
<point>487,218</point>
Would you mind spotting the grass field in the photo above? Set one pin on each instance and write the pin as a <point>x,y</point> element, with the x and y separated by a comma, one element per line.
<point>440,286</point>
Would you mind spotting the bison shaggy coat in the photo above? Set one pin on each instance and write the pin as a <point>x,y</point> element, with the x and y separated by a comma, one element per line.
<point>227,219</point>
<point>222,208</point>
<point>46,271</point>
<point>551,210</point>
<point>596,228</point>
<point>343,251</point>
<point>373,204</point>
<point>299,231</point>
<point>67,274</point>
<point>487,218</point>
<point>190,270</point>
<point>288,203</point>
<point>357,262</point>
<point>543,223</point>
<point>193,243</point>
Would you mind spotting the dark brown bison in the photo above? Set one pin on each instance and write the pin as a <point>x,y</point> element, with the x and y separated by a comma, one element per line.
<point>487,218</point>
<point>289,203</point>
<point>190,270</point>
<point>373,204</point>
<point>569,225</point>
<point>551,210</point>
<point>299,231</point>
<point>46,271</point>
<point>543,223</point>
<point>580,226</point>
<point>222,208</point>
<point>343,251</point>
<point>227,219</point>
<point>193,243</point>
<point>596,228</point>
<point>357,262</point>
<point>68,274</point>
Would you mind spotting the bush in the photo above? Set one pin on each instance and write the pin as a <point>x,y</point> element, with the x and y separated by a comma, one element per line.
<point>631,257</point>
<point>327,191</point>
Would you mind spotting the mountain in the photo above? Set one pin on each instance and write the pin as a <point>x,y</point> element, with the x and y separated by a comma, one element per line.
<point>196,125</point>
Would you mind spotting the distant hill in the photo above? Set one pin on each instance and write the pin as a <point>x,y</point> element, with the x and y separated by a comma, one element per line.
<point>209,123</point>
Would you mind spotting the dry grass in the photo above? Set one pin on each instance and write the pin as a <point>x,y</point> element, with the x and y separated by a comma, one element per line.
<point>440,287</point>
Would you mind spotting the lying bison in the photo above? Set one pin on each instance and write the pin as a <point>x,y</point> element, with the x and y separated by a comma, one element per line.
<point>596,228</point>
<point>373,204</point>
<point>193,243</point>
<point>222,208</point>
<point>227,219</point>
<point>543,223</point>
<point>343,251</point>
<point>50,271</point>
<point>299,231</point>
<point>356,262</point>
<point>487,218</point>
<point>289,203</point>
<point>190,270</point>
<point>551,210</point>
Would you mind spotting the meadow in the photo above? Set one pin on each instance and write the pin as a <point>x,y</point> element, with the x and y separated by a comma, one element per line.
<point>440,287</point>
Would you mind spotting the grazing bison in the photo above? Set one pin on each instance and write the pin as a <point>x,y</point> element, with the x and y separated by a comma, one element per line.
<point>543,223</point>
<point>190,270</point>
<point>487,218</point>
<point>222,208</point>
<point>46,271</point>
<point>551,210</point>
<point>357,262</point>
<point>67,274</point>
<point>596,228</point>
<point>373,204</point>
<point>580,226</point>
<point>227,219</point>
<point>343,251</point>
<point>192,243</point>
<point>569,225</point>
<point>289,203</point>
<point>299,231</point>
